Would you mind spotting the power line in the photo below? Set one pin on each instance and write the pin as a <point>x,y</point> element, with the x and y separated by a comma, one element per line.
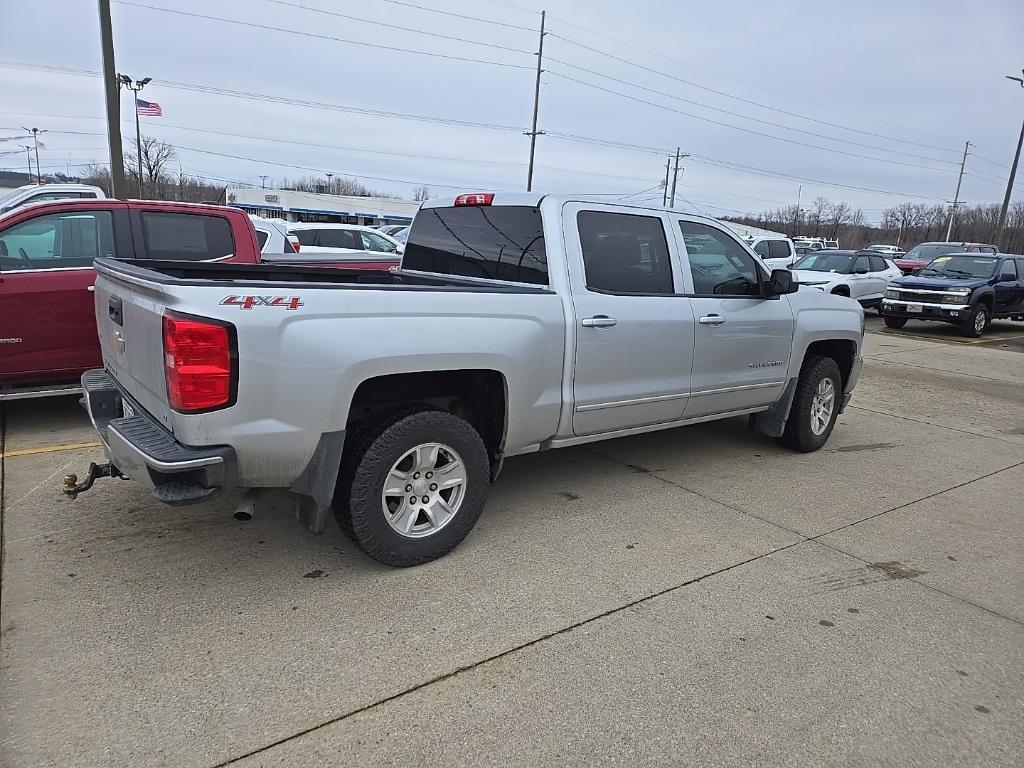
<point>308,35</point>
<point>378,23</point>
<point>633,47</point>
<point>740,128</point>
<point>456,15</point>
<point>730,165</point>
<point>749,117</point>
<point>990,162</point>
<point>268,98</point>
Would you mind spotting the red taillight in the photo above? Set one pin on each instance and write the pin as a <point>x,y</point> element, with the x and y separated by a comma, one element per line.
<point>477,198</point>
<point>197,363</point>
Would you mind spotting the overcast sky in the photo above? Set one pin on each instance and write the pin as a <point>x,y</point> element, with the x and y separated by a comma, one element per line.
<point>878,95</point>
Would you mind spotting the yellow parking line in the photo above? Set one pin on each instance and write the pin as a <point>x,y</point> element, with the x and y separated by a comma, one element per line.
<point>48,449</point>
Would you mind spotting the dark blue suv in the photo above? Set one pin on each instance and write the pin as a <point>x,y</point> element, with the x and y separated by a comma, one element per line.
<point>966,289</point>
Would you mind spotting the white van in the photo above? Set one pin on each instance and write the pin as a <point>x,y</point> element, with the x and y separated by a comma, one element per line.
<point>776,252</point>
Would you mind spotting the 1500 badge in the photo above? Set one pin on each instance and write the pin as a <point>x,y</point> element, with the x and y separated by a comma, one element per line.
<point>248,302</point>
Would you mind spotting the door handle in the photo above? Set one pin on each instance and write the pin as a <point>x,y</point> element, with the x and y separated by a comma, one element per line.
<point>599,321</point>
<point>711,320</point>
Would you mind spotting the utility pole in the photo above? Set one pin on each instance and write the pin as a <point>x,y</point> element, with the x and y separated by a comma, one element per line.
<point>35,140</point>
<point>664,191</point>
<point>675,176</point>
<point>28,156</point>
<point>796,213</point>
<point>111,88</point>
<point>329,176</point>
<point>1013,172</point>
<point>136,86</point>
<point>263,181</point>
<point>956,195</point>
<point>533,132</point>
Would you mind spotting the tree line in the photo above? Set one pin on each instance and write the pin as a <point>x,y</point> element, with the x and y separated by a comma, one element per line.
<point>905,224</point>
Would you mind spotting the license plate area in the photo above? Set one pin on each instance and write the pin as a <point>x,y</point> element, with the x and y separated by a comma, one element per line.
<point>915,308</point>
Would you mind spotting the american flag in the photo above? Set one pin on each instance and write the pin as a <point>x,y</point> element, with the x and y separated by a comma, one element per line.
<point>148,108</point>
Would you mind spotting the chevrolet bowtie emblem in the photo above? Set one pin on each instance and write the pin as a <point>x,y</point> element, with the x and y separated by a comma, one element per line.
<point>119,342</point>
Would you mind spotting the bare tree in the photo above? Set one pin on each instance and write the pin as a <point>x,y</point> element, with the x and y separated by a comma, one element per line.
<point>421,193</point>
<point>156,156</point>
<point>839,214</point>
<point>820,207</point>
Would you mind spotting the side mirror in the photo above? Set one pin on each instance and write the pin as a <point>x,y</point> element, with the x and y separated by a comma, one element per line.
<point>781,282</point>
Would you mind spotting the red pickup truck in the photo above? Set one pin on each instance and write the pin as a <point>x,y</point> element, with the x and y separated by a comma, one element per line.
<point>47,320</point>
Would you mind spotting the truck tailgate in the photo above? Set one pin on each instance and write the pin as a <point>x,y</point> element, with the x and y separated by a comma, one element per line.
<point>129,319</point>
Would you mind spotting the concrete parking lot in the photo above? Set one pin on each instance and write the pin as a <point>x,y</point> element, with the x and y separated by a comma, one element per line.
<point>691,597</point>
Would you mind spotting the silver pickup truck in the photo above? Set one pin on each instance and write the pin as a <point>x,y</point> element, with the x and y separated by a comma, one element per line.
<point>518,323</point>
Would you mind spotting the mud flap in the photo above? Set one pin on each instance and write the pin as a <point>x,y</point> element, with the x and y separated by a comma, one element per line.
<point>314,488</point>
<point>773,421</point>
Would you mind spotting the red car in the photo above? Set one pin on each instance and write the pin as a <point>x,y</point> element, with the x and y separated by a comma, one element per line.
<point>918,257</point>
<point>47,319</point>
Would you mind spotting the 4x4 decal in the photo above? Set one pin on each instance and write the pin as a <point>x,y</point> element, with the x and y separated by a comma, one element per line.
<point>248,302</point>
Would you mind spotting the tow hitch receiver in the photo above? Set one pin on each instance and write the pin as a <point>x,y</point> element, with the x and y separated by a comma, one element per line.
<point>72,487</point>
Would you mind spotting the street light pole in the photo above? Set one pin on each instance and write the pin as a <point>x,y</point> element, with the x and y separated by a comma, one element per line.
<point>28,156</point>
<point>263,181</point>
<point>135,87</point>
<point>1013,172</point>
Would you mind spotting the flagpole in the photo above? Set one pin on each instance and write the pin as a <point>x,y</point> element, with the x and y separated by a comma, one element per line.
<point>138,140</point>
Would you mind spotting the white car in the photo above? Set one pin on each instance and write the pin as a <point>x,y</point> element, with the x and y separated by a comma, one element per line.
<point>41,193</point>
<point>861,275</point>
<point>886,250</point>
<point>343,238</point>
<point>391,229</point>
<point>272,236</point>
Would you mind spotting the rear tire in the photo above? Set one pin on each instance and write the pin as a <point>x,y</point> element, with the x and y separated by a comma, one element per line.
<point>386,526</point>
<point>976,322</point>
<point>894,322</point>
<point>815,406</point>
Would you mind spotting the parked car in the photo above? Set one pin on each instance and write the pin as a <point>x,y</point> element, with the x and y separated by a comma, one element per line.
<point>968,290</point>
<point>338,238</point>
<point>392,229</point>
<point>920,256</point>
<point>519,323</point>
<point>775,252</point>
<point>272,235</point>
<point>861,275</point>
<point>402,235</point>
<point>886,250</point>
<point>47,320</point>
<point>43,193</point>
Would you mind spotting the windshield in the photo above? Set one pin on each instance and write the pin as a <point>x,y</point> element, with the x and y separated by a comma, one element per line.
<point>929,252</point>
<point>825,262</point>
<point>960,266</point>
<point>8,196</point>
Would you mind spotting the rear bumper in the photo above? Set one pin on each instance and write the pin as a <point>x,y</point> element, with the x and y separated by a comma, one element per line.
<point>149,454</point>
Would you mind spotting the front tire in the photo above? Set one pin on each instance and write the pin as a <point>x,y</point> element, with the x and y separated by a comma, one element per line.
<point>815,406</point>
<point>976,322</point>
<point>413,487</point>
<point>894,322</point>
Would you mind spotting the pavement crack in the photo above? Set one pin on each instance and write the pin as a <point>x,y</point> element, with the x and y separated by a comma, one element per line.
<point>507,652</point>
<point>851,406</point>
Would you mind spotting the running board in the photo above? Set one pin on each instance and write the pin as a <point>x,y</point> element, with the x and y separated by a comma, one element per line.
<point>49,390</point>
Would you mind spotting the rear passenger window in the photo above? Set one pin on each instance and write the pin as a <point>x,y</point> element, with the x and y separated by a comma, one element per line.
<point>339,238</point>
<point>306,236</point>
<point>261,238</point>
<point>625,253</point>
<point>780,249</point>
<point>763,249</point>
<point>186,236</point>
<point>878,264</point>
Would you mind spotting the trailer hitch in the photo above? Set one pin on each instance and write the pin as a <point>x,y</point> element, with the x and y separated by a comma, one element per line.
<point>72,487</point>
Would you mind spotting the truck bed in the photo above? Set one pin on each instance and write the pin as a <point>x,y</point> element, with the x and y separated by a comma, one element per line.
<point>284,276</point>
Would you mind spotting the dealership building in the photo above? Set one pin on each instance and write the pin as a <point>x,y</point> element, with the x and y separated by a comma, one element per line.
<point>291,205</point>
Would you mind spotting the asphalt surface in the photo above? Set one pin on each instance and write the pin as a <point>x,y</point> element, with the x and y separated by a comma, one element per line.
<point>691,597</point>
